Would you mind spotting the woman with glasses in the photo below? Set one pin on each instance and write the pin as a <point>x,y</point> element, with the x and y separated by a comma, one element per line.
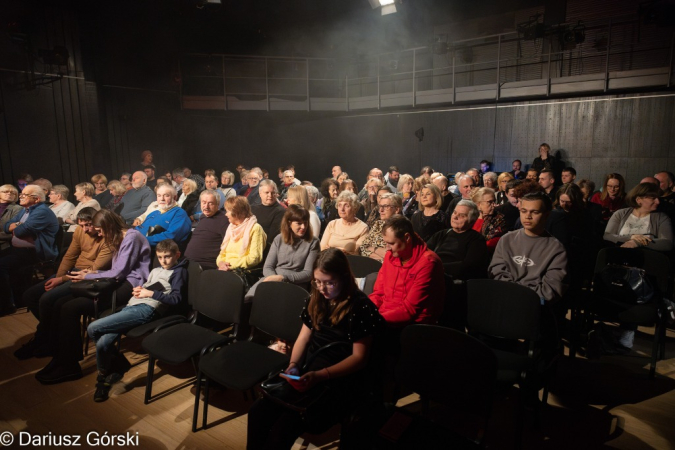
<point>490,225</point>
<point>613,195</point>
<point>640,225</point>
<point>347,232</point>
<point>130,266</point>
<point>8,209</point>
<point>374,246</point>
<point>60,206</point>
<point>337,312</point>
<point>429,219</point>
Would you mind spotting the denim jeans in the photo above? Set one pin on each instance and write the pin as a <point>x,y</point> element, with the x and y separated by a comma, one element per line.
<point>107,330</point>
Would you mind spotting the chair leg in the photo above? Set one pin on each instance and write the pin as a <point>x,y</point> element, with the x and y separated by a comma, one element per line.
<point>656,344</point>
<point>148,381</point>
<point>206,401</point>
<point>519,422</point>
<point>198,388</point>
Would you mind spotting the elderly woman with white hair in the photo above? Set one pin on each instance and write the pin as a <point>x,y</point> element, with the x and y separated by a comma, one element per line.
<point>84,193</point>
<point>289,182</point>
<point>346,233</point>
<point>226,184</point>
<point>8,209</point>
<point>490,180</point>
<point>490,224</point>
<point>60,206</point>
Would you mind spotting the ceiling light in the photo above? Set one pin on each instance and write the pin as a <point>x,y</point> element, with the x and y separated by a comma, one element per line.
<point>388,9</point>
<point>386,2</point>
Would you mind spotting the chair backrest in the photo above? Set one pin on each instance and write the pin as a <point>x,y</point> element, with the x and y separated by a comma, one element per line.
<point>276,309</point>
<point>654,263</point>
<point>369,285</point>
<point>362,265</point>
<point>503,309</point>
<point>221,296</point>
<point>194,273</point>
<point>448,367</point>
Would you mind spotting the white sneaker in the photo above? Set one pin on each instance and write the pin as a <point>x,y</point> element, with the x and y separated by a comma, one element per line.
<point>626,338</point>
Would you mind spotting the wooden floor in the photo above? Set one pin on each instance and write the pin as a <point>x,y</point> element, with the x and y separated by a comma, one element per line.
<point>594,404</point>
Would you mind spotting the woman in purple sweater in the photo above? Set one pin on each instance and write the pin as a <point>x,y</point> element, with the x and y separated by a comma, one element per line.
<point>130,266</point>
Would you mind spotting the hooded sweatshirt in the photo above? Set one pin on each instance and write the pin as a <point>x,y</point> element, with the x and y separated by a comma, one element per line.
<point>413,292</point>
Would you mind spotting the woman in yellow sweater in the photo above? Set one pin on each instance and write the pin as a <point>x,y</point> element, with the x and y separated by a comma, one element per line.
<point>244,241</point>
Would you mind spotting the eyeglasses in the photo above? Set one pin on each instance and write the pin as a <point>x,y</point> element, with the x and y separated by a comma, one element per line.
<point>385,206</point>
<point>5,192</point>
<point>319,284</point>
<point>27,195</point>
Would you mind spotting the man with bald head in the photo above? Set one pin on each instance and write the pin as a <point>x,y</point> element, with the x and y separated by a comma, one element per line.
<point>138,198</point>
<point>336,171</point>
<point>442,183</point>
<point>374,173</point>
<point>33,233</point>
<point>667,184</point>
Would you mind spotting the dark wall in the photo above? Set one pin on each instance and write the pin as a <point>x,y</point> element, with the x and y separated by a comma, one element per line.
<point>630,135</point>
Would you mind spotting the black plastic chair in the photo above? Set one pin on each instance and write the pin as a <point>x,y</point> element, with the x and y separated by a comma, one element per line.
<point>508,317</point>
<point>362,265</point>
<point>369,285</point>
<point>453,369</point>
<point>243,364</point>
<point>220,299</point>
<point>603,308</point>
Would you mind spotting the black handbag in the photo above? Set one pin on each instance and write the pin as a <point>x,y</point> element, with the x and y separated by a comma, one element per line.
<point>278,390</point>
<point>94,288</point>
<point>626,284</point>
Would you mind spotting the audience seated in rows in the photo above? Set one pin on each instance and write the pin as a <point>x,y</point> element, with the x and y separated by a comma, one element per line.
<point>130,266</point>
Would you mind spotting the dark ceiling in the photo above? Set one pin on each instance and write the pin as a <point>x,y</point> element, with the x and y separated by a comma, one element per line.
<point>136,42</point>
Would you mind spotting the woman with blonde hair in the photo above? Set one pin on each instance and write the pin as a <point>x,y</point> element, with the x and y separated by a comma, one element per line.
<point>101,193</point>
<point>502,180</point>
<point>429,219</point>
<point>298,195</point>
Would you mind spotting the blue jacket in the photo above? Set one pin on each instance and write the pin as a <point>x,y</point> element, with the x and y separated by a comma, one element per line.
<point>42,225</point>
<point>175,222</point>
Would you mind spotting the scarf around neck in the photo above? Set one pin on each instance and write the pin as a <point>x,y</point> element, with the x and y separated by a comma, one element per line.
<point>240,232</point>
